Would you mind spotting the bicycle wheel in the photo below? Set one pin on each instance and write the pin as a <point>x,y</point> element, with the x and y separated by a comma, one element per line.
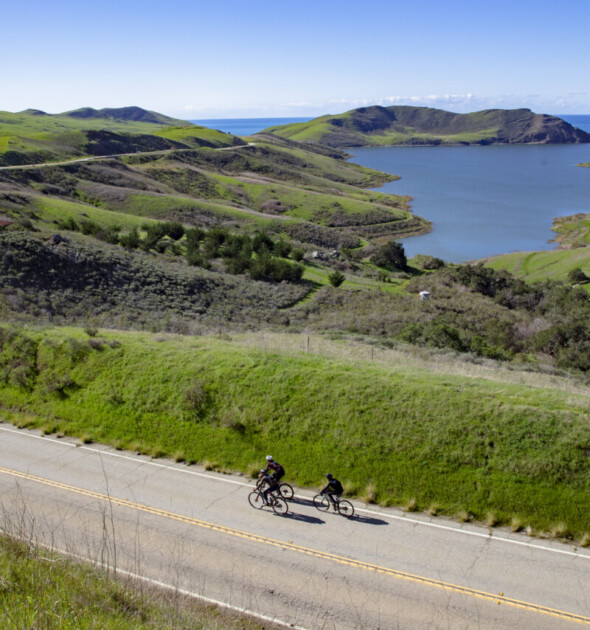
<point>345,508</point>
<point>279,505</point>
<point>321,502</point>
<point>286,491</point>
<point>255,499</point>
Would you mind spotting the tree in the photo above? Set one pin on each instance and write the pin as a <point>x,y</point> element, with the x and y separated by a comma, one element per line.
<point>391,256</point>
<point>336,278</point>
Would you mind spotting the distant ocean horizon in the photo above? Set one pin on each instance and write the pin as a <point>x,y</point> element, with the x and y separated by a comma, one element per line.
<point>249,126</point>
<point>246,126</point>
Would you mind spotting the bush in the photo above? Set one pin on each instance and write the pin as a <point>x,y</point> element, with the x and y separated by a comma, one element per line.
<point>130,240</point>
<point>297,254</point>
<point>88,227</point>
<point>577,276</point>
<point>336,278</point>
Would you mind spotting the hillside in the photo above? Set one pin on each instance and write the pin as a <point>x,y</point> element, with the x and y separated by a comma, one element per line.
<point>34,137</point>
<point>308,193</point>
<point>405,125</point>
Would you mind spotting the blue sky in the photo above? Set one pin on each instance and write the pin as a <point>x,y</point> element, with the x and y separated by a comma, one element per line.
<point>264,58</point>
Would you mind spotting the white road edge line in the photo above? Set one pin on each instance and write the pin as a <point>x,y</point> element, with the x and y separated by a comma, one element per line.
<point>403,519</point>
<point>208,600</point>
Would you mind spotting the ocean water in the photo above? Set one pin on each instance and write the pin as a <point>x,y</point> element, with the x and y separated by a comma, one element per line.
<point>245,126</point>
<point>580,121</point>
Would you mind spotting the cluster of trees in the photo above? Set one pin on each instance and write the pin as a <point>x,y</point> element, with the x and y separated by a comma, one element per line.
<point>259,255</point>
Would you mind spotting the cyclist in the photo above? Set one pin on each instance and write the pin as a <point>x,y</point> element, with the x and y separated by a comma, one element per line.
<point>333,489</point>
<point>272,484</point>
<point>277,470</point>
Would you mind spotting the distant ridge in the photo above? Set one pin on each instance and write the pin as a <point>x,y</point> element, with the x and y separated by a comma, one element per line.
<point>34,112</point>
<point>132,113</point>
<point>406,125</point>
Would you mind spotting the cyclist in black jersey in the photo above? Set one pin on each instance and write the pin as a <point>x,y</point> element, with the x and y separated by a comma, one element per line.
<point>333,489</point>
<point>277,470</point>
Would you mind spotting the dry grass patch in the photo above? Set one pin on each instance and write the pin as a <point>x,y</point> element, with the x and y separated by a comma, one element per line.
<point>492,519</point>
<point>370,493</point>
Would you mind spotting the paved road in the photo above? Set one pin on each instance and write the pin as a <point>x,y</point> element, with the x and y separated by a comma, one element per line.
<point>195,530</point>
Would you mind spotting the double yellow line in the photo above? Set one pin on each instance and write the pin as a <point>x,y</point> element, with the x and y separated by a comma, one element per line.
<point>498,599</point>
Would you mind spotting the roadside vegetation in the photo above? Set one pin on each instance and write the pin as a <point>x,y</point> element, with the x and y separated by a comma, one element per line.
<point>395,431</point>
<point>43,589</point>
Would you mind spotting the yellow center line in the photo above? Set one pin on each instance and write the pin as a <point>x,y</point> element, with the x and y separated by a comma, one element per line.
<point>359,564</point>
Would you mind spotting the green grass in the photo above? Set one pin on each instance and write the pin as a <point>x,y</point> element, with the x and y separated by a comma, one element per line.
<point>196,135</point>
<point>319,275</point>
<point>539,266</point>
<point>50,210</point>
<point>43,589</point>
<point>467,444</point>
<point>573,235</point>
<point>23,124</point>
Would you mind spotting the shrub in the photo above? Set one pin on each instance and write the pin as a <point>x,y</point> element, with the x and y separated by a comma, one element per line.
<point>577,276</point>
<point>88,227</point>
<point>68,224</point>
<point>336,278</point>
<point>297,254</point>
<point>130,240</point>
<point>282,248</point>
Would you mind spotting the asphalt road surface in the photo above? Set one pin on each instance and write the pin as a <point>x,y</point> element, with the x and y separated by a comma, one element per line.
<point>195,531</point>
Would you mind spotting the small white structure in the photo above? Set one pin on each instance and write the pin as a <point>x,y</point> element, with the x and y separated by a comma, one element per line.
<point>424,295</point>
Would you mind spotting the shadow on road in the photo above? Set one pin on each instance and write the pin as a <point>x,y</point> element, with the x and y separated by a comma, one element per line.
<point>300,501</point>
<point>303,517</point>
<point>369,520</point>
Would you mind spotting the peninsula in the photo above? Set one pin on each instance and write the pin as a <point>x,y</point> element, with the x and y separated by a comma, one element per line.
<point>405,125</point>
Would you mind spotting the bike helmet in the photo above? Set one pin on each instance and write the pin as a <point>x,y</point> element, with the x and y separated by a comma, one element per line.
<point>269,458</point>
<point>329,476</point>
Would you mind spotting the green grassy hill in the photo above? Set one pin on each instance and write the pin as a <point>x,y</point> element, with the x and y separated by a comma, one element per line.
<point>33,136</point>
<point>376,126</point>
<point>573,237</point>
<point>307,194</point>
<point>500,446</point>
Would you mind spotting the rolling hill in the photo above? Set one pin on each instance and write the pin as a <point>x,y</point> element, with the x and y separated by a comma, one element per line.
<point>34,137</point>
<point>405,125</point>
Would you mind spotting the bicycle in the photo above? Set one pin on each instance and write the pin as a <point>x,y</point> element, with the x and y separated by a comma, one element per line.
<point>286,490</point>
<point>341,506</point>
<point>275,501</point>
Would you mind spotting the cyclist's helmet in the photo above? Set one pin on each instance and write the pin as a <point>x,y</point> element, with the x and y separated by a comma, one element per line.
<point>269,458</point>
<point>329,477</point>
